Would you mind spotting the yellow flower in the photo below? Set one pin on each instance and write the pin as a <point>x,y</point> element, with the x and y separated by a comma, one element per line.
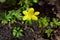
<point>30,14</point>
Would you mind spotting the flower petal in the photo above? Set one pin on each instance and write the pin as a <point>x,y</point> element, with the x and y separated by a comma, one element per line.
<point>36,13</point>
<point>29,18</point>
<point>25,12</point>
<point>30,14</point>
<point>31,10</point>
<point>34,17</point>
<point>25,17</point>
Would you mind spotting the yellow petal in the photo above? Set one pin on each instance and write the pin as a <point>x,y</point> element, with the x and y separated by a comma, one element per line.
<point>25,17</point>
<point>29,18</point>
<point>36,13</point>
<point>34,17</point>
<point>25,12</point>
<point>31,10</point>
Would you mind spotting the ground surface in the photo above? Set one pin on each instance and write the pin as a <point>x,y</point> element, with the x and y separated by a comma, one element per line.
<point>33,33</point>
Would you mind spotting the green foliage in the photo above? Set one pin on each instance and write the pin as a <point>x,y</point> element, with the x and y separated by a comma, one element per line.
<point>29,22</point>
<point>25,4</point>
<point>55,23</point>
<point>16,14</point>
<point>11,16</point>
<point>2,1</point>
<point>17,32</point>
<point>35,1</point>
<point>43,22</point>
<point>3,17</point>
<point>48,32</point>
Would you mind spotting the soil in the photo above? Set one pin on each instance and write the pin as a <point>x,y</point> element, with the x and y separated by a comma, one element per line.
<point>49,8</point>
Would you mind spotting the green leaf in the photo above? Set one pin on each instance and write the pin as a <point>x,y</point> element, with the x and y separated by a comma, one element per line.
<point>58,24</point>
<point>18,16</point>
<point>43,22</point>
<point>13,21</point>
<point>48,32</point>
<point>17,32</point>
<point>20,34</point>
<point>35,1</point>
<point>51,23</point>
<point>14,32</point>
<point>55,23</point>
<point>4,21</point>
<point>21,30</point>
